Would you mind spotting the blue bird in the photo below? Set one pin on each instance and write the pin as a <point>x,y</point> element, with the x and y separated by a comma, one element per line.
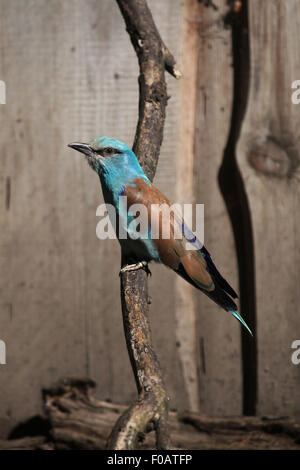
<point>121,175</point>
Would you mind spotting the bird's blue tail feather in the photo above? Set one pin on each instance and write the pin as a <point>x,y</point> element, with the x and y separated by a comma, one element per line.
<point>238,316</point>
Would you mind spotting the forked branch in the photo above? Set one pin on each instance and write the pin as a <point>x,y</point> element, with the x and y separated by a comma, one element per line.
<point>150,411</point>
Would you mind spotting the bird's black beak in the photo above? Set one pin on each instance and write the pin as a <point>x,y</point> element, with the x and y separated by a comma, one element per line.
<point>83,148</point>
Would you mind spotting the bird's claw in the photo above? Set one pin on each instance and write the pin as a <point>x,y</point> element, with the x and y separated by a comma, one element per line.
<point>136,266</point>
<point>146,268</point>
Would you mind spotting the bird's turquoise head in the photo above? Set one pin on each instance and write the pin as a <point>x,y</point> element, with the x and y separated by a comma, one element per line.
<point>103,153</point>
<point>115,162</point>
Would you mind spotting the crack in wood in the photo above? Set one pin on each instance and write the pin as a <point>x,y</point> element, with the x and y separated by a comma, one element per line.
<point>7,193</point>
<point>234,194</point>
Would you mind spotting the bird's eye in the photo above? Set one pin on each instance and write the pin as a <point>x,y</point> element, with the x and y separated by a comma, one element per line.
<point>108,151</point>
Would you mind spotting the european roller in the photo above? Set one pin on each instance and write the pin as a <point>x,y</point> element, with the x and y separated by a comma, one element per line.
<point>121,175</point>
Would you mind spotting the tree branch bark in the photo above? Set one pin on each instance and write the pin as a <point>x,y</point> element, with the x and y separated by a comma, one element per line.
<point>150,411</point>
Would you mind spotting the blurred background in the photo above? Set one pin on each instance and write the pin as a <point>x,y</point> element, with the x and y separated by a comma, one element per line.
<point>231,142</point>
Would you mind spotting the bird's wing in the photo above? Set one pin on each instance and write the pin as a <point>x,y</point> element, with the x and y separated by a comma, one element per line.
<point>194,265</point>
<point>170,244</point>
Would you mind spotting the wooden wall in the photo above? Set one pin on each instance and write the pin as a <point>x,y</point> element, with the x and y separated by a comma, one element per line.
<point>268,157</point>
<point>71,74</point>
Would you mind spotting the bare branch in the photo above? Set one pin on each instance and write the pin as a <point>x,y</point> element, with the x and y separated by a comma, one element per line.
<point>150,411</point>
<point>154,58</point>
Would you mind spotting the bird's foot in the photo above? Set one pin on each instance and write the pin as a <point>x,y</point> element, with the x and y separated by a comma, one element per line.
<point>136,266</point>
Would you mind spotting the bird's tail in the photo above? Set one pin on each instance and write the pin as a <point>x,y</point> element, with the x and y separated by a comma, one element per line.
<point>221,294</point>
<point>224,301</point>
<point>221,298</point>
<point>238,316</point>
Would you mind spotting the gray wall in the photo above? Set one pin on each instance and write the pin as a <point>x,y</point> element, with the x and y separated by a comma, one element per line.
<point>71,74</point>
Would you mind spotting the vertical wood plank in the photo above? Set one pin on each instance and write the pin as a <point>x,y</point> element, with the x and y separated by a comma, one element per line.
<point>186,315</point>
<point>218,332</point>
<point>268,157</point>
